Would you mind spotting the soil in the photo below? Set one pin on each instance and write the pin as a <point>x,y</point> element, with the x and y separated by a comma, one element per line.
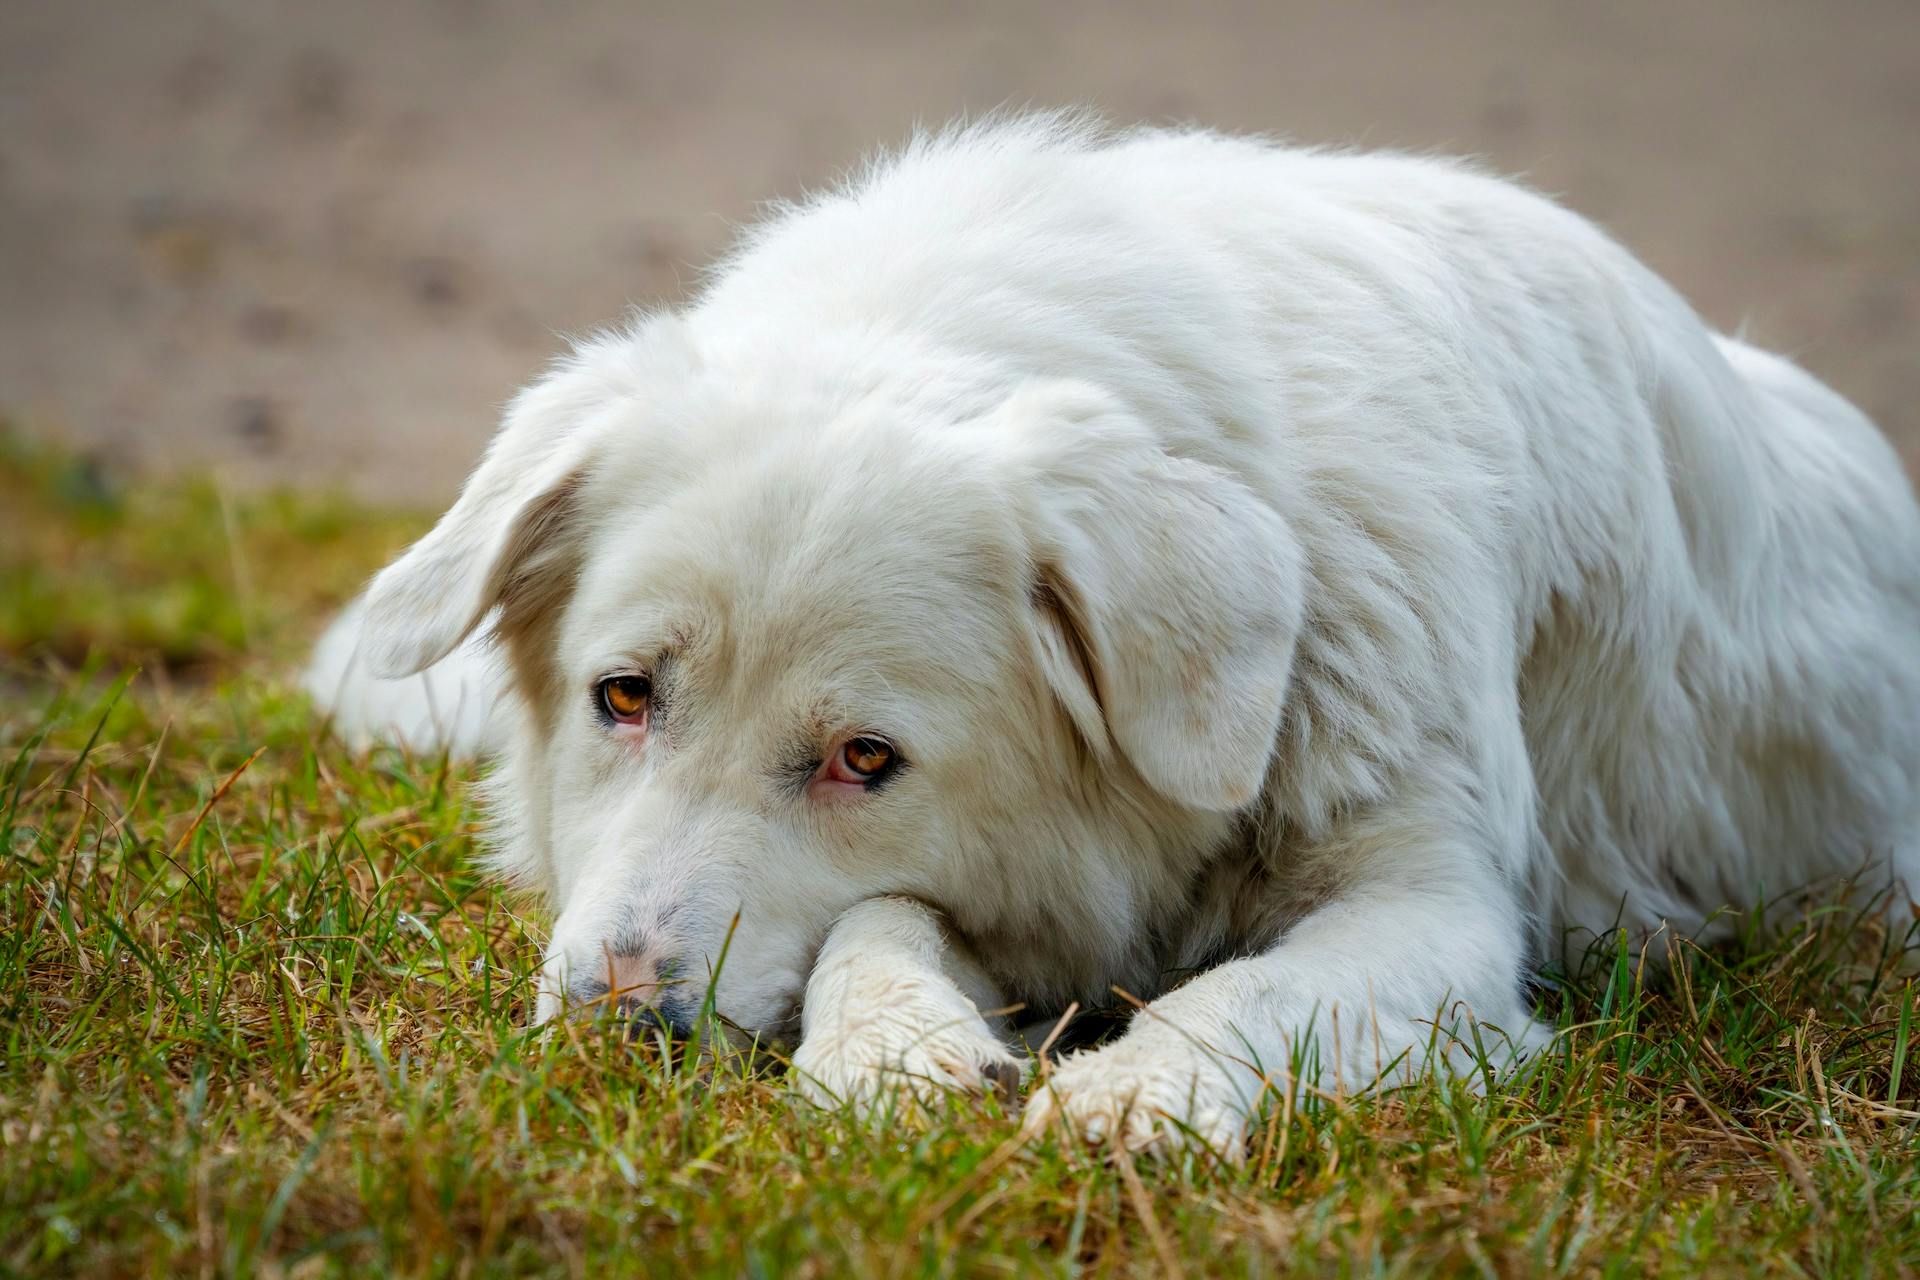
<point>322,243</point>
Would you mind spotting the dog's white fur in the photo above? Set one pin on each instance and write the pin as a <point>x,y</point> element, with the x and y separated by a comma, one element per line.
<point>1331,576</point>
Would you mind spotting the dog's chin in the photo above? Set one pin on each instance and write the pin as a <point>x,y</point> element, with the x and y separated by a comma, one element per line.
<point>780,1036</point>
<point>779,1032</point>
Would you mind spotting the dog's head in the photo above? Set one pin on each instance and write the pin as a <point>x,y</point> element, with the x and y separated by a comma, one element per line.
<point>777,653</point>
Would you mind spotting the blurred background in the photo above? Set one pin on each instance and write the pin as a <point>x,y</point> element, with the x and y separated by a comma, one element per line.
<point>321,243</point>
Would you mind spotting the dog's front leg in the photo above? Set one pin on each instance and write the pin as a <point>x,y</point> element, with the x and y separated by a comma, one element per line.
<point>894,1011</point>
<point>1351,991</point>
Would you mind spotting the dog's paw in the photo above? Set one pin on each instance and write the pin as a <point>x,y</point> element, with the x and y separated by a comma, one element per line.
<point>892,1040</point>
<point>1153,1091</point>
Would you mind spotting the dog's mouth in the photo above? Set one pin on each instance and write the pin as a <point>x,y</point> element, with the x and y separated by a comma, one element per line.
<point>783,1033</point>
<point>681,1024</point>
<point>687,1015</point>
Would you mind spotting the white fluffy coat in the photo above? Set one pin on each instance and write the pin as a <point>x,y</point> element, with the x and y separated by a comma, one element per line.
<point>1330,576</point>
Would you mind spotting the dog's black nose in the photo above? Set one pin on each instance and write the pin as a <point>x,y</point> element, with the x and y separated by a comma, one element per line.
<point>644,1011</point>
<point>645,1020</point>
<point>635,980</point>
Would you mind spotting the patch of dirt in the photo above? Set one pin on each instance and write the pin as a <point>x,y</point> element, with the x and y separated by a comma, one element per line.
<point>323,243</point>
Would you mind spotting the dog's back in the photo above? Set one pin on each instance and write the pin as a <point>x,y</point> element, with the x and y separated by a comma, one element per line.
<point>1733,731</point>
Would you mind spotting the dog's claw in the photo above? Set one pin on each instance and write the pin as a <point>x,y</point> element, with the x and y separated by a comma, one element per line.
<point>1147,1094</point>
<point>1002,1079</point>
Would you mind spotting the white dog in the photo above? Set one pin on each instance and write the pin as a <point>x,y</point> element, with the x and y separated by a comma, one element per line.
<point>1289,587</point>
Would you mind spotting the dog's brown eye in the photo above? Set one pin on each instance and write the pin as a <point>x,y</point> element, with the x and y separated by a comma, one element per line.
<point>866,757</point>
<point>625,697</point>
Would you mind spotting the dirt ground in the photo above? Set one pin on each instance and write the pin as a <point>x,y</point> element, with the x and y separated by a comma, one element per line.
<point>322,243</point>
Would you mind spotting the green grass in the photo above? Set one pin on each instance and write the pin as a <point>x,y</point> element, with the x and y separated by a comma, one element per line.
<point>259,1013</point>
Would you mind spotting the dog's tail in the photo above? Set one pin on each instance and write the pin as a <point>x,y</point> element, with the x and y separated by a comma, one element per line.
<point>452,706</point>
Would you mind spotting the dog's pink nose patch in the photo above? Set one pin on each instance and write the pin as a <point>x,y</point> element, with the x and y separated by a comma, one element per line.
<point>632,979</point>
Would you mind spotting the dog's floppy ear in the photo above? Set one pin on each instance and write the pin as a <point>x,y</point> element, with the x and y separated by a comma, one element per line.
<point>506,535</point>
<point>1166,597</point>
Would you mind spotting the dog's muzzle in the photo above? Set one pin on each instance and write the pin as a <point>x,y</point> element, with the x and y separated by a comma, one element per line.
<point>640,990</point>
